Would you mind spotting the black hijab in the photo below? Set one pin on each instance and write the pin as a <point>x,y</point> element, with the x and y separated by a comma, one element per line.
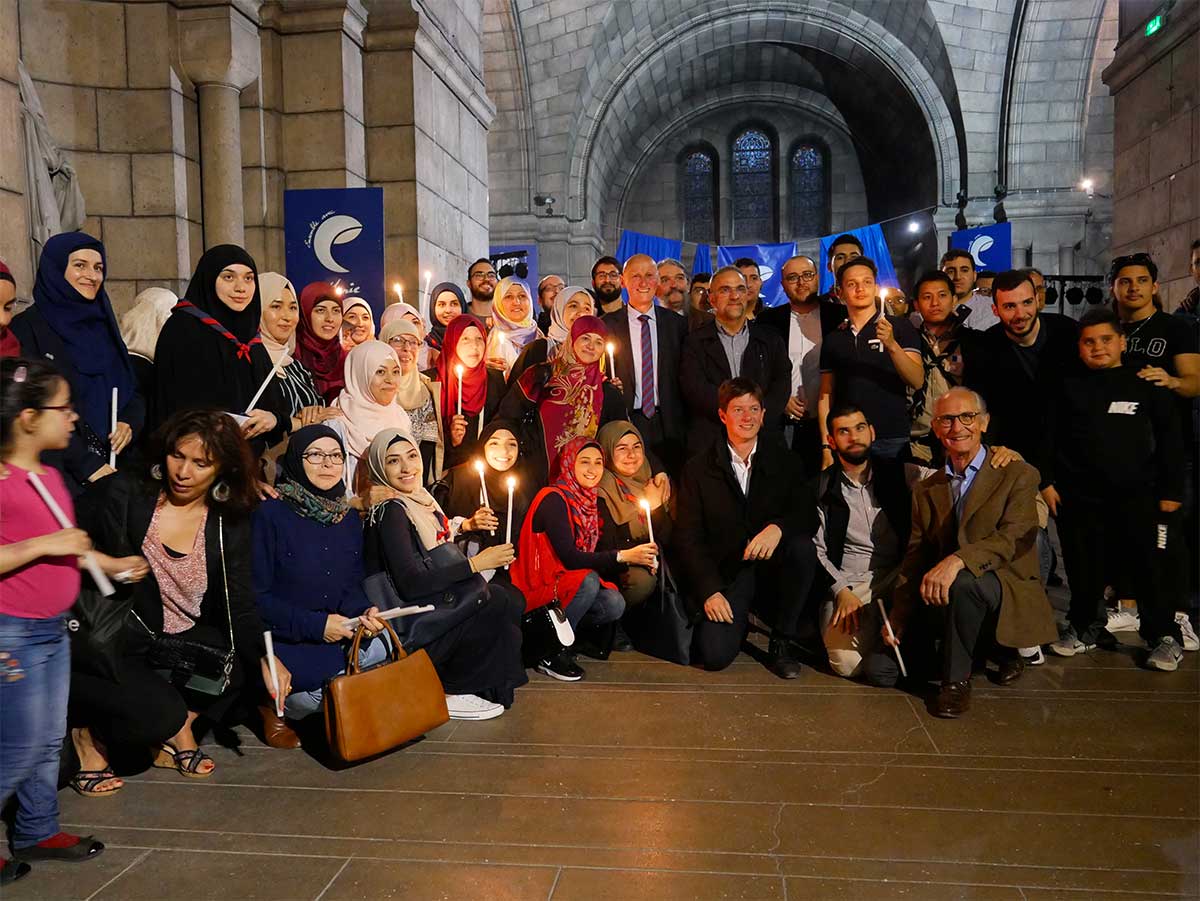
<point>202,291</point>
<point>437,331</point>
<point>463,482</point>
<point>324,505</point>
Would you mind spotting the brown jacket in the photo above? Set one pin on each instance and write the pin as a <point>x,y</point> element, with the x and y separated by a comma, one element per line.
<point>998,533</point>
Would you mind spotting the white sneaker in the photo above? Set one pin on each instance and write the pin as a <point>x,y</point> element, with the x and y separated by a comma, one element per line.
<point>1191,642</point>
<point>472,707</point>
<point>1123,619</point>
<point>1166,656</point>
<point>1070,645</point>
<point>1032,656</point>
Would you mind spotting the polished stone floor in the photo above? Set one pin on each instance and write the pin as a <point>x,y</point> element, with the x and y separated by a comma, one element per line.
<point>649,780</point>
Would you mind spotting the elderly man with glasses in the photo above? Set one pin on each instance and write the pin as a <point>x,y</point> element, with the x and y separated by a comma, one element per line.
<point>970,573</point>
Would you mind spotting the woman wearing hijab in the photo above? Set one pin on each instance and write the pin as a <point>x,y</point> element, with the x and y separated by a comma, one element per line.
<point>481,389</point>
<point>478,659</point>
<point>280,319</point>
<point>463,492</point>
<point>401,310</point>
<point>319,338</point>
<point>416,395</point>
<point>448,302</point>
<point>308,573</point>
<point>358,323</point>
<point>513,325</point>
<point>9,345</point>
<point>368,402</point>
<point>571,396</point>
<point>140,327</point>
<point>71,323</point>
<point>558,557</point>
<point>627,481</point>
<point>210,355</point>
<point>571,302</point>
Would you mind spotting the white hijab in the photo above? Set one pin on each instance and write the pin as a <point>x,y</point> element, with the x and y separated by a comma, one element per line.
<point>144,320</point>
<point>364,416</point>
<point>270,287</point>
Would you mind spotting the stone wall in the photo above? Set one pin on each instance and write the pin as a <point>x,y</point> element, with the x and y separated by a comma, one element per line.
<point>15,248</point>
<point>1156,179</point>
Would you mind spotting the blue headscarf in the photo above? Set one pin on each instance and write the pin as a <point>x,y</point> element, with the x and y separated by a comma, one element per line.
<point>88,330</point>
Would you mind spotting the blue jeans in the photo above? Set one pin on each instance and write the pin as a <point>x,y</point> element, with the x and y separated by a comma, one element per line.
<point>35,682</point>
<point>300,704</point>
<point>593,604</point>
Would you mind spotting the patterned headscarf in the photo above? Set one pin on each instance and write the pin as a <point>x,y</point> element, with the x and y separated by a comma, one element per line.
<point>581,502</point>
<point>327,506</point>
<point>509,336</point>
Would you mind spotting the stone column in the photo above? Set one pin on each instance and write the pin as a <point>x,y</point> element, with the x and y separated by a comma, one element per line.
<point>219,52</point>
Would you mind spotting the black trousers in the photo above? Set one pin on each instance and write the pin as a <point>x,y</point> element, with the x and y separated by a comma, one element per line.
<point>669,451</point>
<point>1124,536</point>
<point>775,589</point>
<point>804,438</point>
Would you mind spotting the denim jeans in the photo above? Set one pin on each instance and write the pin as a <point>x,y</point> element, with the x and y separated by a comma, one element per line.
<point>35,682</point>
<point>594,605</point>
<point>300,704</point>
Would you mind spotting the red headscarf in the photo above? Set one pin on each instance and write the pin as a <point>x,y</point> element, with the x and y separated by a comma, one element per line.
<point>570,400</point>
<point>581,502</point>
<point>324,358</point>
<point>475,378</point>
<point>9,345</point>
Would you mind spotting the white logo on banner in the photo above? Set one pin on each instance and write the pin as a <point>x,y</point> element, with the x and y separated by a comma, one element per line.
<point>980,245</point>
<point>334,230</point>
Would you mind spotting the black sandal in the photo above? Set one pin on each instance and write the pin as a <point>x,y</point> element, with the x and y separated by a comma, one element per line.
<point>186,763</point>
<point>12,870</point>
<point>85,781</point>
<point>84,848</point>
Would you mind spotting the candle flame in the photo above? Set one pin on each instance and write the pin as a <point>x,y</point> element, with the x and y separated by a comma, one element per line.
<point>396,287</point>
<point>610,347</point>
<point>339,290</point>
<point>458,370</point>
<point>512,482</point>
<point>428,275</point>
<point>479,466</point>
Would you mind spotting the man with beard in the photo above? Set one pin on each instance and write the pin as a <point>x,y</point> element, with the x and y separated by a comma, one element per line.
<point>960,266</point>
<point>672,286</point>
<point>606,284</point>
<point>803,322</point>
<point>547,292</point>
<point>753,275</point>
<point>481,282</point>
<point>699,309</point>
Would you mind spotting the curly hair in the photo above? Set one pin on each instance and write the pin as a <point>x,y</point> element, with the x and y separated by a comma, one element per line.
<point>223,442</point>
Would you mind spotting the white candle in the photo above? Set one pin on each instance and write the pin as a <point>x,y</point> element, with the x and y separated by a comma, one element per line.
<point>482,483</point>
<point>399,292</point>
<point>649,522</point>
<point>428,299</point>
<point>89,559</point>
<point>512,483</point>
<point>263,387</point>
<point>458,371</point>
<point>352,622</point>
<point>612,365</point>
<point>892,635</point>
<point>112,451</point>
<point>274,672</point>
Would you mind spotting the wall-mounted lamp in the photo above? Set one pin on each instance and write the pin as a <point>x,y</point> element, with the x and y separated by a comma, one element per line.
<point>545,201</point>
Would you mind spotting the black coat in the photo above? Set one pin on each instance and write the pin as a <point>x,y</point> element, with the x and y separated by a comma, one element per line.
<point>671,329</point>
<point>779,318</point>
<point>891,488</point>
<point>704,366</point>
<point>116,513</point>
<point>714,521</point>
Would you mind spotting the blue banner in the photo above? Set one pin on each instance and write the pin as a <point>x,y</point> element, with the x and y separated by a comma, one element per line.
<point>874,245</point>
<point>336,235</point>
<point>702,261</point>
<point>990,246</point>
<point>516,256</point>
<point>654,247</point>
<point>770,259</point>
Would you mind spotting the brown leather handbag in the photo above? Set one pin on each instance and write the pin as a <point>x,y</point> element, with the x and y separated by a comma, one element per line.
<point>368,712</point>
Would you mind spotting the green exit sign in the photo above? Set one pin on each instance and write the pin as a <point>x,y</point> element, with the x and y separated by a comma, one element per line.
<point>1154,25</point>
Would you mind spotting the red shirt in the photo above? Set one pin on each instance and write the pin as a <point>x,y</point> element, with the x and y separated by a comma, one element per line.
<point>47,586</point>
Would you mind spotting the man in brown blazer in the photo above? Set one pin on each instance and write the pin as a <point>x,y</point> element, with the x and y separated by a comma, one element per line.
<point>972,558</point>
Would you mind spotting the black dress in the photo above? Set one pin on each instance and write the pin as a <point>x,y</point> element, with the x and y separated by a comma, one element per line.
<point>469,449</point>
<point>482,656</point>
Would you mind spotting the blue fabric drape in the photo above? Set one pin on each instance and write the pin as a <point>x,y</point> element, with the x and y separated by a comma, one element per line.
<point>653,246</point>
<point>702,261</point>
<point>874,246</point>
<point>770,259</point>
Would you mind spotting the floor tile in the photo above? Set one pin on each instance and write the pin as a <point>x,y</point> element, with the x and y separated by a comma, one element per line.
<point>412,880</point>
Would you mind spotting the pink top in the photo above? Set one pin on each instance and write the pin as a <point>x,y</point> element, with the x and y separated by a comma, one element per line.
<point>48,586</point>
<point>182,581</point>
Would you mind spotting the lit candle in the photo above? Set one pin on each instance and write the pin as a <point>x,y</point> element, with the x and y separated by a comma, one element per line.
<point>339,290</point>
<point>399,291</point>
<point>458,371</point>
<point>483,491</point>
<point>428,299</point>
<point>112,451</point>
<point>612,366</point>
<point>512,483</point>
<point>649,522</point>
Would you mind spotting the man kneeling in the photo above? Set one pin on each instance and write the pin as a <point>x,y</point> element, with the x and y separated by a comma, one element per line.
<point>742,535</point>
<point>971,558</point>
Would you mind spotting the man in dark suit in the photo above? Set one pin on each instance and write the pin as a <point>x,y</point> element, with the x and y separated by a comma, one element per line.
<point>970,573</point>
<point>725,348</point>
<point>802,323</point>
<point>742,536</point>
<point>648,346</point>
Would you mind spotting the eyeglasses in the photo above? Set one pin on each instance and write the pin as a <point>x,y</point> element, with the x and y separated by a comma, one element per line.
<point>317,458</point>
<point>607,277</point>
<point>725,291</point>
<point>483,275</point>
<point>62,408</point>
<point>947,421</point>
<point>410,343</point>
<point>794,277</point>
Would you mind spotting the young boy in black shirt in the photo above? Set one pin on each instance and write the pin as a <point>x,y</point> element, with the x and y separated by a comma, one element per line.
<point>1111,466</point>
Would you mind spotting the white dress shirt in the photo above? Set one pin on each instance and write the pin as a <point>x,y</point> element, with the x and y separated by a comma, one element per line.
<point>635,348</point>
<point>981,317</point>
<point>804,350</point>
<point>741,468</point>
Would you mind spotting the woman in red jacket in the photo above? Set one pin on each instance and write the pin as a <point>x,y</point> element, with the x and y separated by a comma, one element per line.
<point>558,558</point>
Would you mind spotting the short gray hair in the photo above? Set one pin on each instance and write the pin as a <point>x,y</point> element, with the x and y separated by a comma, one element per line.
<point>665,261</point>
<point>980,403</point>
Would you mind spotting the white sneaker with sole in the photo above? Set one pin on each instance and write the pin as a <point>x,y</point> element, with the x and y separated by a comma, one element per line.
<point>1123,619</point>
<point>1191,642</point>
<point>1032,656</point>
<point>1070,645</point>
<point>472,707</point>
<point>1166,656</point>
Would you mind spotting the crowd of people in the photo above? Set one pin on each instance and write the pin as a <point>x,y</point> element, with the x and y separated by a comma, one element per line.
<point>873,472</point>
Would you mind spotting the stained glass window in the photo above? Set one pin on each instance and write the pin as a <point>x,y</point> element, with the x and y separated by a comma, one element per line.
<point>807,192</point>
<point>753,190</point>
<point>698,190</point>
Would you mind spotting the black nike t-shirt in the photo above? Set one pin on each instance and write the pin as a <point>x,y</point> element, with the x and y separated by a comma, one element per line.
<point>1156,341</point>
